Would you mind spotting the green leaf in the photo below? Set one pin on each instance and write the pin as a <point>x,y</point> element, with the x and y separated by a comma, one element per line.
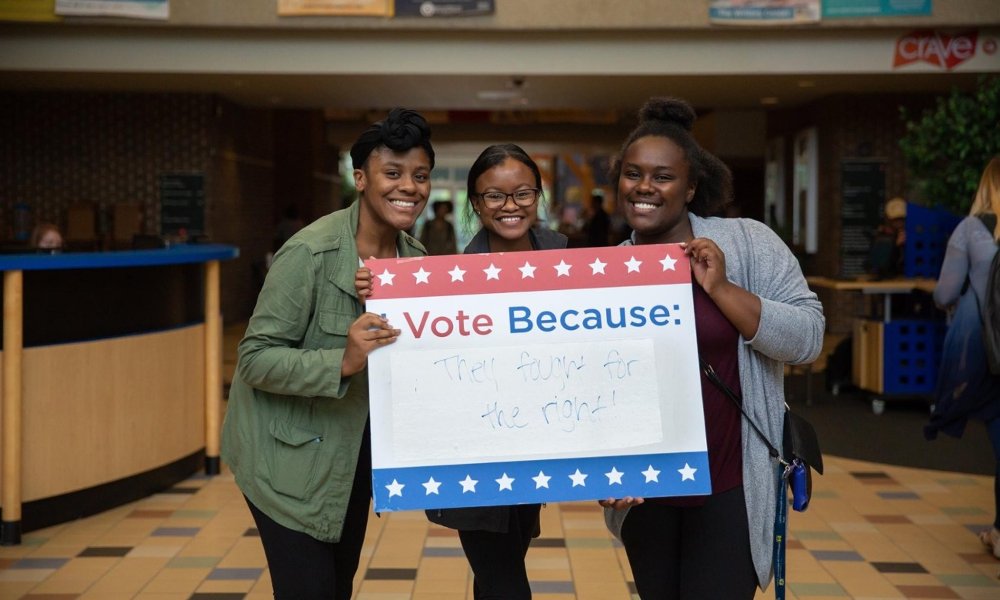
<point>946,147</point>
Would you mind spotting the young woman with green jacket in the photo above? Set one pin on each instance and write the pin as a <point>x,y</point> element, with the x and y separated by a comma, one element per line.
<point>296,433</point>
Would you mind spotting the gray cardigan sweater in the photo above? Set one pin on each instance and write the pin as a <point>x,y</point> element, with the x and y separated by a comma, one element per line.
<point>791,331</point>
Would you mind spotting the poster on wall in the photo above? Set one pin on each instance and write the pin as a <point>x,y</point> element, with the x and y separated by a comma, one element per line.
<point>343,8</point>
<point>862,196</point>
<point>805,186</point>
<point>774,185</point>
<point>28,10</point>
<point>443,8</point>
<point>182,204</point>
<point>763,12</point>
<point>136,9</point>
<point>538,376</point>
<point>845,9</point>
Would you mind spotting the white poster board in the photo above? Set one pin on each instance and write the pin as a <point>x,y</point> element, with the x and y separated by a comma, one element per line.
<point>536,377</point>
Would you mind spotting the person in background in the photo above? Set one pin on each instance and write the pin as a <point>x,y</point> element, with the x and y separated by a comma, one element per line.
<point>754,313</point>
<point>961,287</point>
<point>296,433</point>
<point>438,234</point>
<point>598,228</point>
<point>504,189</point>
<point>46,236</point>
<point>886,255</point>
<point>288,226</point>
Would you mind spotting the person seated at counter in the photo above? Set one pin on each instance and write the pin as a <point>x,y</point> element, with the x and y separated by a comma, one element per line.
<point>46,237</point>
<point>885,258</point>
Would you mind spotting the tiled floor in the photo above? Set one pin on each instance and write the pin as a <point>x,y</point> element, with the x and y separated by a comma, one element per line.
<point>873,531</point>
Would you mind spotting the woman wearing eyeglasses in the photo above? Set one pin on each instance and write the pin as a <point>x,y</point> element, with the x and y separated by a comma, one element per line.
<point>504,188</point>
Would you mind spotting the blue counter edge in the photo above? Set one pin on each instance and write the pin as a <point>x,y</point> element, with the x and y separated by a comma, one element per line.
<point>174,255</point>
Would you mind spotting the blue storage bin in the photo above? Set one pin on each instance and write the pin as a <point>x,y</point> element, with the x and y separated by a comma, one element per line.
<point>927,233</point>
<point>911,355</point>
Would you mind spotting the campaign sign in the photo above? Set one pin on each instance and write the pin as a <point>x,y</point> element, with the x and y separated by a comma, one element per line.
<point>532,377</point>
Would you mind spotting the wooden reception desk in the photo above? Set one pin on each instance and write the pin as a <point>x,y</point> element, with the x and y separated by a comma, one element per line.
<point>111,379</point>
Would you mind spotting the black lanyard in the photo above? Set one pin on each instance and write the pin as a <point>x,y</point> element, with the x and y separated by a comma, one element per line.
<point>780,529</point>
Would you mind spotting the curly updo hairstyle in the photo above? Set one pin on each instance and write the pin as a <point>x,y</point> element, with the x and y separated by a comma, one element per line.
<point>400,131</point>
<point>673,118</point>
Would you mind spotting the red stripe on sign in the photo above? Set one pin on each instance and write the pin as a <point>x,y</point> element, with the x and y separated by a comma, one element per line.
<point>540,270</point>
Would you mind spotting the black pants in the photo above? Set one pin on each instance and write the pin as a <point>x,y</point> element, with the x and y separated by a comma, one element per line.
<point>497,559</point>
<point>993,430</point>
<point>689,553</point>
<point>304,568</point>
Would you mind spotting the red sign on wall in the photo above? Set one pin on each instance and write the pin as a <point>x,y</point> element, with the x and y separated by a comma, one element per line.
<point>936,48</point>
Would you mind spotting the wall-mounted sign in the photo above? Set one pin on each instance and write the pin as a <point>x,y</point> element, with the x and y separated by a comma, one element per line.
<point>945,51</point>
<point>137,9</point>
<point>343,8</point>
<point>182,204</point>
<point>443,8</point>
<point>862,196</point>
<point>28,10</point>
<point>805,185</point>
<point>845,9</point>
<point>774,184</point>
<point>763,12</point>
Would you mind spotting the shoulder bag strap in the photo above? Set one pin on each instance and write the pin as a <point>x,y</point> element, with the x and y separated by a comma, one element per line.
<point>714,378</point>
<point>781,512</point>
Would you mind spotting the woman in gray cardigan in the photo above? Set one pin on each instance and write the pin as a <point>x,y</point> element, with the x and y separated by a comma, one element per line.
<point>754,313</point>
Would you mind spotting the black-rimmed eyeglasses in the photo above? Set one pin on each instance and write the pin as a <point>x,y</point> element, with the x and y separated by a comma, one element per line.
<point>522,198</point>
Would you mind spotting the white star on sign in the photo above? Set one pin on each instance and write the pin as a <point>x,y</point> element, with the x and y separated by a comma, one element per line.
<point>687,472</point>
<point>395,489</point>
<point>431,486</point>
<point>528,270</point>
<point>597,267</point>
<point>614,476</point>
<point>492,272</point>
<point>633,265</point>
<point>578,478</point>
<point>506,483</point>
<point>651,474</point>
<point>541,480</point>
<point>562,269</point>
<point>385,278</point>
<point>457,274</point>
<point>469,484</point>
<point>668,263</point>
<point>422,275</point>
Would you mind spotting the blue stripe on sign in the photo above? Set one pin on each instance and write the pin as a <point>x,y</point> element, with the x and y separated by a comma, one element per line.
<point>527,482</point>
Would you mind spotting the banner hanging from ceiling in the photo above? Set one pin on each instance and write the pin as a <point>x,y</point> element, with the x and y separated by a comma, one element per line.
<point>846,9</point>
<point>136,9</point>
<point>443,8</point>
<point>343,8</point>
<point>763,12</point>
<point>28,10</point>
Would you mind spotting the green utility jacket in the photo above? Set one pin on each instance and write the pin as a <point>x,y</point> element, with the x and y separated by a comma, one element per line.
<point>293,426</point>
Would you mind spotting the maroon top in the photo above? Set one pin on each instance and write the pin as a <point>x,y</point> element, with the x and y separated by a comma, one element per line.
<point>717,342</point>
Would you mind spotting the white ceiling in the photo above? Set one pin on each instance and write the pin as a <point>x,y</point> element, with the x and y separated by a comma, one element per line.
<point>590,71</point>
